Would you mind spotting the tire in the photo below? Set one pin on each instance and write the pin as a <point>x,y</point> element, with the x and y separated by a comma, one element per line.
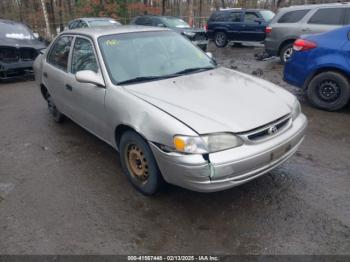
<point>329,91</point>
<point>139,164</point>
<point>56,114</point>
<point>220,39</point>
<point>286,52</point>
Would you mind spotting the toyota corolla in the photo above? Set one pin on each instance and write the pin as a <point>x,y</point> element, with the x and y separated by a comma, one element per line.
<point>172,113</point>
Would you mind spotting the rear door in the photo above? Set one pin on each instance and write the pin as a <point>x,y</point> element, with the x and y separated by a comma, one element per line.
<point>324,19</point>
<point>85,101</point>
<point>55,70</point>
<point>253,28</point>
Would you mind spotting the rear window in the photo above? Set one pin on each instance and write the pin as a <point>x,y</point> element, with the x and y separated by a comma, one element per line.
<point>328,16</point>
<point>293,16</point>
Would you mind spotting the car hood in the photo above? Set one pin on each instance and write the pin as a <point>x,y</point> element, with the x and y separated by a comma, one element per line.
<point>33,43</point>
<point>219,100</point>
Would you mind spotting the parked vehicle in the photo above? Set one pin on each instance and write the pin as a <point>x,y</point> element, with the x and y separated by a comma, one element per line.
<point>321,64</point>
<point>197,36</point>
<point>168,109</point>
<point>291,22</point>
<point>239,25</point>
<point>86,22</point>
<point>18,49</point>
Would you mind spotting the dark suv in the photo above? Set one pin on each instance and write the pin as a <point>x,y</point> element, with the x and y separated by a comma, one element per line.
<point>197,36</point>
<point>18,49</point>
<point>239,25</point>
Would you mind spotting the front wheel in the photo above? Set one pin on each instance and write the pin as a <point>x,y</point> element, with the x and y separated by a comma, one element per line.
<point>220,39</point>
<point>286,53</point>
<point>139,164</point>
<point>329,91</point>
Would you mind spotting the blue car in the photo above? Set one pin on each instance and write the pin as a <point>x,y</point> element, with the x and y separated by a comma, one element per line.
<point>321,65</point>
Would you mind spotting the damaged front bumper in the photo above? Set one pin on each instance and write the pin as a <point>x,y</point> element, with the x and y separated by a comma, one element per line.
<point>229,168</point>
<point>16,69</point>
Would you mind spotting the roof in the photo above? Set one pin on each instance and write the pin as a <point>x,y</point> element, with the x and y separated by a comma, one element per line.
<point>110,30</point>
<point>316,6</point>
<point>9,21</point>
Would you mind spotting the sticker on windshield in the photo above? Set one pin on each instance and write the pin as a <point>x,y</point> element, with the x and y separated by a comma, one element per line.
<point>112,42</point>
<point>200,55</point>
<point>18,36</point>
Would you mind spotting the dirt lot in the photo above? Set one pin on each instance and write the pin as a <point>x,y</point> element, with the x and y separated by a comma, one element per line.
<point>62,190</point>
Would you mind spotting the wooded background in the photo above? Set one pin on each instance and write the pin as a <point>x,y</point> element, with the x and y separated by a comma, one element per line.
<point>56,13</point>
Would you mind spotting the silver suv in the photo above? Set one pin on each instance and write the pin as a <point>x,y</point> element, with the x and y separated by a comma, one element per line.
<point>291,22</point>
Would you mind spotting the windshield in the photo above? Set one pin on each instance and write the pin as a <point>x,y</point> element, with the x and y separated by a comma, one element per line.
<point>14,31</point>
<point>103,22</point>
<point>151,55</point>
<point>173,22</point>
<point>267,15</point>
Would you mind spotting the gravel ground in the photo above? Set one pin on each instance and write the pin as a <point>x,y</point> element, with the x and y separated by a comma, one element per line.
<point>62,190</point>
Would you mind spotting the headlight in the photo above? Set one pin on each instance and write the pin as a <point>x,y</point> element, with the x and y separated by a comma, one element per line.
<point>296,109</point>
<point>189,34</point>
<point>206,144</point>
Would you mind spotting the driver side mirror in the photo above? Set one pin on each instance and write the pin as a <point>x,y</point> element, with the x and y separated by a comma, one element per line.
<point>36,35</point>
<point>90,77</point>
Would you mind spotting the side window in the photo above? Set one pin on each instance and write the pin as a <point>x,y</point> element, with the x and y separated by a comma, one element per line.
<point>293,16</point>
<point>221,16</point>
<point>59,53</point>
<point>251,18</point>
<point>82,24</point>
<point>73,25</point>
<point>235,17</point>
<point>83,56</point>
<point>328,16</point>
<point>143,21</point>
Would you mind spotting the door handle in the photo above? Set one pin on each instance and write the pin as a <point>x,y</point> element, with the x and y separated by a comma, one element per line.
<point>306,29</point>
<point>69,87</point>
<point>45,74</point>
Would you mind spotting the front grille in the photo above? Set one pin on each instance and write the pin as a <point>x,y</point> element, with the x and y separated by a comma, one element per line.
<point>28,54</point>
<point>270,129</point>
<point>8,54</point>
<point>200,36</point>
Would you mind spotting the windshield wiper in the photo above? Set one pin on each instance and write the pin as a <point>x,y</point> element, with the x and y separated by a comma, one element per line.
<point>141,79</point>
<point>151,78</point>
<point>192,70</point>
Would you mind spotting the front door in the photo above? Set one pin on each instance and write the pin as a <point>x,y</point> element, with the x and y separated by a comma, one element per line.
<point>86,101</point>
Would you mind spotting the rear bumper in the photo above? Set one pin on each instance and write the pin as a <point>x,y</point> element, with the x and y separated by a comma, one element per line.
<point>271,47</point>
<point>232,167</point>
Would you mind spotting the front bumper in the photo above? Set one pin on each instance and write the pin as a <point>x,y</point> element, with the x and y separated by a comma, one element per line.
<point>271,47</point>
<point>15,69</point>
<point>232,167</point>
<point>202,44</point>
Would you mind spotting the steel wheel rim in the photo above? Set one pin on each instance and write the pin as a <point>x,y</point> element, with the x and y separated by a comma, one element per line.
<point>328,90</point>
<point>137,163</point>
<point>220,39</point>
<point>287,54</point>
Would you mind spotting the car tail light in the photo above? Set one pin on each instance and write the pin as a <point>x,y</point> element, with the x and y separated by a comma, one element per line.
<point>268,30</point>
<point>303,45</point>
<point>206,27</point>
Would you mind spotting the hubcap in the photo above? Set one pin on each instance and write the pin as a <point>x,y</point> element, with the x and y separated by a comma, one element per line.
<point>137,163</point>
<point>287,54</point>
<point>220,39</point>
<point>328,90</point>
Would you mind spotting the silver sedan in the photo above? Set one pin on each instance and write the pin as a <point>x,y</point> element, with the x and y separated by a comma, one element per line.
<point>170,111</point>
